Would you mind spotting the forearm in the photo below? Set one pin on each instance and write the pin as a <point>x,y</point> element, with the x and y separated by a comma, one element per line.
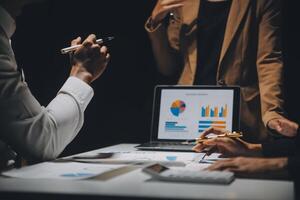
<point>167,56</point>
<point>42,133</point>
<point>270,62</point>
<point>67,110</point>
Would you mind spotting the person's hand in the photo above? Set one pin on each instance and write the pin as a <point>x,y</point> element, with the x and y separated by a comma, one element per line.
<point>284,126</point>
<point>227,146</point>
<point>163,7</point>
<point>249,165</point>
<point>90,60</point>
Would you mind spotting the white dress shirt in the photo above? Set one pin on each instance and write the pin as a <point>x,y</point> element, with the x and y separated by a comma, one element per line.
<point>32,130</point>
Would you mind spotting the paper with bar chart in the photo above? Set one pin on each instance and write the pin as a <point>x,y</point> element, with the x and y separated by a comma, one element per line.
<point>184,114</point>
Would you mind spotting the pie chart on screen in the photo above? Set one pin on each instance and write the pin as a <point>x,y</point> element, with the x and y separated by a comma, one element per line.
<point>178,107</point>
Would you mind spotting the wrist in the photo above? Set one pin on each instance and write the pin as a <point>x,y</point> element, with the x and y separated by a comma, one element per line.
<point>82,74</point>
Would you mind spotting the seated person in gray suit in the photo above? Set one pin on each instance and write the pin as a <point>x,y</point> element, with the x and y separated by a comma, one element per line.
<point>27,128</point>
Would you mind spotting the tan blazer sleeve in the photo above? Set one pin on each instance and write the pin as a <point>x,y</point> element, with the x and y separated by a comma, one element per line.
<point>269,60</point>
<point>166,47</point>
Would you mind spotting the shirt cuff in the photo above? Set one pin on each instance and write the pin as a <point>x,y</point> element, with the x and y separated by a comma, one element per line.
<point>81,91</point>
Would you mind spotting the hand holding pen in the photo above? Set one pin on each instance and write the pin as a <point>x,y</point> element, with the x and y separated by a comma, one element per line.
<point>163,8</point>
<point>228,134</point>
<point>89,59</point>
<point>229,144</point>
<point>75,47</point>
<point>217,133</point>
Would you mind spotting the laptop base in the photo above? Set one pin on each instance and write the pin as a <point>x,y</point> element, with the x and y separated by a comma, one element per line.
<point>160,146</point>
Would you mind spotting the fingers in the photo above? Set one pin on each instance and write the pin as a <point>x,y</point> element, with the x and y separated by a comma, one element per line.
<point>104,53</point>
<point>199,148</point>
<point>172,7</point>
<point>210,150</point>
<point>206,144</point>
<point>94,48</point>
<point>288,127</point>
<point>163,7</point>
<point>219,142</point>
<point>171,2</point>
<point>223,165</point>
<point>284,127</point>
<point>276,124</point>
<point>90,51</point>
<point>222,145</point>
<point>89,41</point>
<point>227,146</point>
<point>214,130</point>
<point>107,57</point>
<point>248,165</point>
<point>103,50</point>
<point>76,41</point>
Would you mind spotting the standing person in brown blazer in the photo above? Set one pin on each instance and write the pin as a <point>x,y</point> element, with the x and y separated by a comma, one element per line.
<point>226,42</point>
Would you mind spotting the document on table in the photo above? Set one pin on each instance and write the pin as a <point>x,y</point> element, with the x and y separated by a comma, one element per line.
<point>212,158</point>
<point>204,163</point>
<point>64,171</point>
<point>149,156</point>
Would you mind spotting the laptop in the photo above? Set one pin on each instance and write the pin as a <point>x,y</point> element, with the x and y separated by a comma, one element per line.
<point>181,113</point>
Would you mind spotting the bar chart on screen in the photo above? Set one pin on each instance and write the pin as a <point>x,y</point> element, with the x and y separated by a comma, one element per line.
<point>205,124</point>
<point>212,116</point>
<point>183,114</point>
<point>210,111</point>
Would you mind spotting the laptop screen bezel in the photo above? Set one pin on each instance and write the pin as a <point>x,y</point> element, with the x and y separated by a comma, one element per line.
<point>157,101</point>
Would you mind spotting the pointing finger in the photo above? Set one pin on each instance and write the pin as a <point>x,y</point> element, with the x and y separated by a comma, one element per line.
<point>76,41</point>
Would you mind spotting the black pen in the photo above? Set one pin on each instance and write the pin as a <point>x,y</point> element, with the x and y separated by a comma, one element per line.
<point>73,48</point>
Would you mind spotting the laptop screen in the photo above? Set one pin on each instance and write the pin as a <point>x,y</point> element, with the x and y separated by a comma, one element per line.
<point>185,112</point>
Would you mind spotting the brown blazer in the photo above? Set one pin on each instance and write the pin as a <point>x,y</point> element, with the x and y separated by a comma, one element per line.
<point>251,57</point>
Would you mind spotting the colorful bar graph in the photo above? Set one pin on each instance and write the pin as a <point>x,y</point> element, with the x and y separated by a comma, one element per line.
<point>214,112</point>
<point>223,112</point>
<point>207,124</point>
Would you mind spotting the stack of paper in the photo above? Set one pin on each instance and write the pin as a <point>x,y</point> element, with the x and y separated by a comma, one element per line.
<point>148,156</point>
<point>65,171</point>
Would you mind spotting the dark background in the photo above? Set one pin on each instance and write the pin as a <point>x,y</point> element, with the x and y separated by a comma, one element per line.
<point>121,108</point>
